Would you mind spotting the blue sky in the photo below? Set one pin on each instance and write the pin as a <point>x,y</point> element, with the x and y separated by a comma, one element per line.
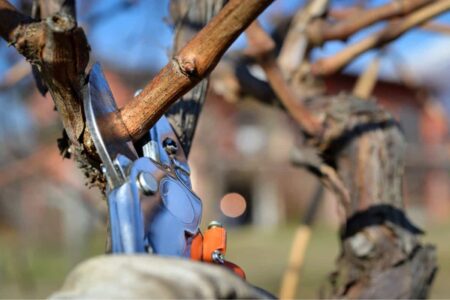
<point>145,33</point>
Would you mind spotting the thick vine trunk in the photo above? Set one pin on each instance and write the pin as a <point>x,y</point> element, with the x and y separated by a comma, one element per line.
<point>358,153</point>
<point>381,255</point>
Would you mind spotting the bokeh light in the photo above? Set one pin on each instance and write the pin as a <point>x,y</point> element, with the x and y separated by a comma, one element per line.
<point>233,205</point>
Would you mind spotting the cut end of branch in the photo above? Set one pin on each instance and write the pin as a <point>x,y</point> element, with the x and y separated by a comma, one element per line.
<point>61,23</point>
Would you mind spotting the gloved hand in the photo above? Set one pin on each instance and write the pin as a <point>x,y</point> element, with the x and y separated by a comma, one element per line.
<point>153,277</point>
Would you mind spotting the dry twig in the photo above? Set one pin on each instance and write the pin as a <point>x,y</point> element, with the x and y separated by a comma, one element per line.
<point>366,82</point>
<point>320,31</point>
<point>343,14</point>
<point>16,73</point>
<point>260,47</point>
<point>296,44</point>
<point>391,32</point>
<point>436,27</point>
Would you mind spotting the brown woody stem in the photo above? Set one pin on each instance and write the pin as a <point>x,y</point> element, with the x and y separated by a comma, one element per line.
<point>11,19</point>
<point>261,48</point>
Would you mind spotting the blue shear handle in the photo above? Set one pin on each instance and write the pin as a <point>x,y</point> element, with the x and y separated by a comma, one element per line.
<point>127,233</point>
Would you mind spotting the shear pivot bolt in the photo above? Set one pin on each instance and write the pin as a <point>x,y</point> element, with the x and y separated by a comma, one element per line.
<point>214,224</point>
<point>218,257</point>
<point>170,146</point>
<point>147,183</point>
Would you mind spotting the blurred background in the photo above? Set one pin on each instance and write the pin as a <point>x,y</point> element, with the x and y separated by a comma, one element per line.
<point>50,221</point>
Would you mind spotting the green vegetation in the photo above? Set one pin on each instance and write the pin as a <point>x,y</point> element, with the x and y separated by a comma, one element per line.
<point>37,271</point>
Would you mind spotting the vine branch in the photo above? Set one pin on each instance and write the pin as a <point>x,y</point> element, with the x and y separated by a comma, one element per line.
<point>261,48</point>
<point>192,63</point>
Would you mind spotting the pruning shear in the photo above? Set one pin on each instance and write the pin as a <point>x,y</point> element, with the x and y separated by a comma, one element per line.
<point>152,208</point>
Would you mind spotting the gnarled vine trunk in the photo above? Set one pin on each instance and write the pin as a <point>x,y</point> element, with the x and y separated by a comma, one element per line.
<point>381,255</point>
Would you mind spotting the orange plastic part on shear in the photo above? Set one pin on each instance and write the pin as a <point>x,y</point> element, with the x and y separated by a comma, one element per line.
<point>197,247</point>
<point>215,239</point>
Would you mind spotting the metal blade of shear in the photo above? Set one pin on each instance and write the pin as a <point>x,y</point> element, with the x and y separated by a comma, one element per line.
<point>98,103</point>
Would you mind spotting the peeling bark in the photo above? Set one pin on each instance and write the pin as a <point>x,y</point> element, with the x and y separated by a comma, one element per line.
<point>59,53</point>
